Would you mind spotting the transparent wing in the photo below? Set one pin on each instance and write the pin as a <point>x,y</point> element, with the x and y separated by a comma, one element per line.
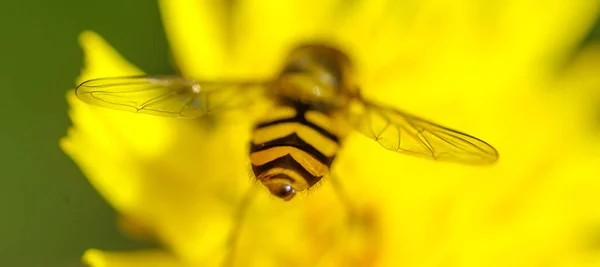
<point>169,96</point>
<point>404,133</point>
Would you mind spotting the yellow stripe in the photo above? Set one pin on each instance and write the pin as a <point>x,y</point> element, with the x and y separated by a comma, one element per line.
<point>278,113</point>
<point>309,163</point>
<point>323,144</point>
<point>320,120</point>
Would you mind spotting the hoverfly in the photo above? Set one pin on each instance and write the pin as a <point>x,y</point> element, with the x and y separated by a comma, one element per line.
<point>294,145</point>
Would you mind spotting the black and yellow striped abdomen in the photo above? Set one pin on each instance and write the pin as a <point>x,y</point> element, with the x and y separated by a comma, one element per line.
<point>292,148</point>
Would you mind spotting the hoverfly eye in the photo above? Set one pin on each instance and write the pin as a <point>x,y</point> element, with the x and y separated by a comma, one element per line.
<point>285,192</point>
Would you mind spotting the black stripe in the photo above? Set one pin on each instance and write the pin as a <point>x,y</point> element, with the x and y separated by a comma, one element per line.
<point>303,121</point>
<point>287,162</point>
<point>293,140</point>
<point>301,110</point>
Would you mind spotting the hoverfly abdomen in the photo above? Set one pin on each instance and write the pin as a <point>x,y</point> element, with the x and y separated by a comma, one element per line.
<point>293,148</point>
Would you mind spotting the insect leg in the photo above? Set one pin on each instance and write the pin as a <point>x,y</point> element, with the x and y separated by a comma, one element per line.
<point>342,195</point>
<point>361,223</point>
<point>350,212</point>
<point>238,218</point>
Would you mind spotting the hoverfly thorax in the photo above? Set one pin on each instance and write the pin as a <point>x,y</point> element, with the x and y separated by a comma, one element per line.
<point>315,74</point>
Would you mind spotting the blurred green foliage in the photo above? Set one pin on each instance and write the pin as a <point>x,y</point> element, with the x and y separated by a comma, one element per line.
<point>594,35</point>
<point>50,214</point>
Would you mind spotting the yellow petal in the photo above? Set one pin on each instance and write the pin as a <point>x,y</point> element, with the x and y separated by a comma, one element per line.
<point>460,55</point>
<point>195,31</point>
<point>101,60</point>
<point>155,169</point>
<point>266,31</point>
<point>150,258</point>
<point>111,131</point>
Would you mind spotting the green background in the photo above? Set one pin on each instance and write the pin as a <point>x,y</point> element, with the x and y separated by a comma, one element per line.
<point>49,212</point>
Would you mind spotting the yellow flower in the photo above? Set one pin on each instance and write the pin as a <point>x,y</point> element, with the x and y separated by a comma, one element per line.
<point>480,66</point>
